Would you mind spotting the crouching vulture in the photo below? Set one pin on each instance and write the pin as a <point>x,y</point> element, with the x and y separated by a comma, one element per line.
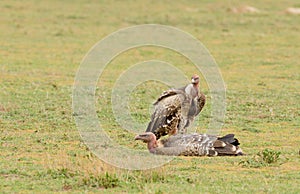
<point>192,145</point>
<point>176,109</point>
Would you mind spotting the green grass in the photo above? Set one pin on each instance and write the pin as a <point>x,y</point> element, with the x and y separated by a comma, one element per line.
<point>43,43</point>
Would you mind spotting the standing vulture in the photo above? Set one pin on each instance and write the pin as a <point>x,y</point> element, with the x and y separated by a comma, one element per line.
<point>176,109</point>
<point>197,101</point>
<point>192,145</point>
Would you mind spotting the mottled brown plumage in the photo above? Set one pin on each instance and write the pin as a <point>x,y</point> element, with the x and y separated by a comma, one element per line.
<point>170,108</point>
<point>192,145</point>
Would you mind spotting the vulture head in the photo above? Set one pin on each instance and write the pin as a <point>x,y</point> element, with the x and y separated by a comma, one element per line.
<point>195,79</point>
<point>149,138</point>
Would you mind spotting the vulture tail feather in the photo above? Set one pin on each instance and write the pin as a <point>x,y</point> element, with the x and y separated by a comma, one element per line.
<point>229,138</point>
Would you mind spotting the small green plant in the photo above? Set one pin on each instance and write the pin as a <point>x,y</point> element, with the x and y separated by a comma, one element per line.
<point>159,192</point>
<point>269,156</point>
<point>263,158</point>
<point>102,181</point>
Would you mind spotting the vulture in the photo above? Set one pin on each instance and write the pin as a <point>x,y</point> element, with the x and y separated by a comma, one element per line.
<point>192,145</point>
<point>175,109</point>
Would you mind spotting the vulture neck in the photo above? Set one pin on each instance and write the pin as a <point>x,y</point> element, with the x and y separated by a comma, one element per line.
<point>196,87</point>
<point>152,144</point>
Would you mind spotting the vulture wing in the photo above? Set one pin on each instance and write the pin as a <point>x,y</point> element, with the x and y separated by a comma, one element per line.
<point>191,144</point>
<point>170,108</point>
<point>199,145</point>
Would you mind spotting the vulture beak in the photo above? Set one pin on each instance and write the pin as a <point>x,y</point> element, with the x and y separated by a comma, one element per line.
<point>137,137</point>
<point>143,137</point>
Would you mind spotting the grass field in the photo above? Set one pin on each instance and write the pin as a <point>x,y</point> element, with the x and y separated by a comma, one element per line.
<point>43,43</point>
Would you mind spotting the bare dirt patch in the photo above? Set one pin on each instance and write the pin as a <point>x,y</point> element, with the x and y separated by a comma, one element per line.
<point>244,9</point>
<point>293,11</point>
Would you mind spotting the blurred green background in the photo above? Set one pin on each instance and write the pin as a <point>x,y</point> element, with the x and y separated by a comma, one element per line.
<point>255,43</point>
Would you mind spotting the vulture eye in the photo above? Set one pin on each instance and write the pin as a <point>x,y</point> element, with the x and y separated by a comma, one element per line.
<point>195,78</point>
